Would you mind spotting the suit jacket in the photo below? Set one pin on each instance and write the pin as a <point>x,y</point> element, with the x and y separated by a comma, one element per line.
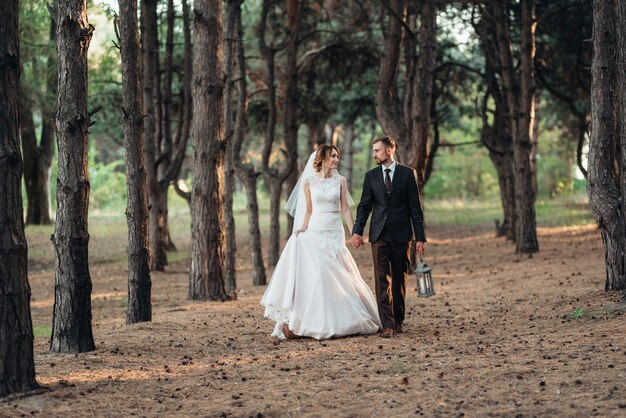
<point>400,210</point>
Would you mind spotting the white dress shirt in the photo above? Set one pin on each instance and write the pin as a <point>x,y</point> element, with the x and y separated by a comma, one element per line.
<point>392,167</point>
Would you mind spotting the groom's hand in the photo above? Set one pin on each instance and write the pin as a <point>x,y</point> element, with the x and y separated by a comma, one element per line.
<point>420,247</point>
<point>357,240</point>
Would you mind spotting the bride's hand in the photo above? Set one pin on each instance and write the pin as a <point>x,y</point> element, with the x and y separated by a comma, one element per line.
<point>300,230</point>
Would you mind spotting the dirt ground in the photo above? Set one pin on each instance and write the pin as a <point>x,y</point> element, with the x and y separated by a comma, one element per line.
<point>498,339</point>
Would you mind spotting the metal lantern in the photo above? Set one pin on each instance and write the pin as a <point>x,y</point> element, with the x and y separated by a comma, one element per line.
<point>424,277</point>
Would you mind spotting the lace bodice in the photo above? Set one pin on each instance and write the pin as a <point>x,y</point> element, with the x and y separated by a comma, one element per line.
<point>325,194</point>
<point>325,223</point>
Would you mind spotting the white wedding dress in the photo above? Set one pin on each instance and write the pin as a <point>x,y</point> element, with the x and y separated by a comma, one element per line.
<point>316,288</point>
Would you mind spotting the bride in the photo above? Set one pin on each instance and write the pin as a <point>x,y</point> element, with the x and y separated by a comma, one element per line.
<point>316,289</point>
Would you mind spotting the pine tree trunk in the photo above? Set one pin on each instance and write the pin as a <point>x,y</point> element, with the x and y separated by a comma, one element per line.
<point>167,147</point>
<point>348,155</point>
<point>139,282</point>
<point>388,109</point>
<point>17,366</point>
<point>503,163</point>
<point>71,322</point>
<point>275,187</point>
<point>418,158</point>
<point>603,184</point>
<point>620,283</point>
<point>526,235</point>
<point>151,111</point>
<point>246,172</point>
<point>290,103</point>
<point>274,176</point>
<point>519,96</point>
<point>496,136</point>
<point>259,277</point>
<point>411,131</point>
<point>229,178</point>
<point>37,164</point>
<point>206,276</point>
<point>38,158</point>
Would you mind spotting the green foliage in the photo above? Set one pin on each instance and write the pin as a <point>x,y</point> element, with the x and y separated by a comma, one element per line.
<point>108,185</point>
<point>43,331</point>
<point>578,313</point>
<point>561,211</point>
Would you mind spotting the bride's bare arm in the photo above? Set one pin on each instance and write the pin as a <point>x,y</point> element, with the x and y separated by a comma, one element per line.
<point>309,208</point>
<point>345,208</point>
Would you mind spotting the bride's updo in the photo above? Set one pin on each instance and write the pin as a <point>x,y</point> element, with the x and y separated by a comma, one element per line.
<point>323,153</point>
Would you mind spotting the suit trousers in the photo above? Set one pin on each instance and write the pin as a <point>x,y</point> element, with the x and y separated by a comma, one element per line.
<point>391,266</point>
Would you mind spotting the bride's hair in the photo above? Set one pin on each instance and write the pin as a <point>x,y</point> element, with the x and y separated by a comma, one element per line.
<point>323,152</point>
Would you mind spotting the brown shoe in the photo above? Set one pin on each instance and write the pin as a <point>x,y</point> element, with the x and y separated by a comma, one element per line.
<point>399,329</point>
<point>387,333</point>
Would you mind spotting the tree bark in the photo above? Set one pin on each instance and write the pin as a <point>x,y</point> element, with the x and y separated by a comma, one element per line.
<point>139,282</point>
<point>290,102</point>
<point>412,132</point>
<point>246,172</point>
<point>526,234</point>
<point>348,154</point>
<point>17,365</point>
<point>388,110</point>
<point>496,137</point>
<point>172,173</point>
<point>167,145</point>
<point>206,275</point>
<point>620,16</point>
<point>520,105</point>
<point>71,321</point>
<point>274,176</point>
<point>422,94</point>
<point>604,168</point>
<point>38,158</point>
<point>151,111</point>
<point>501,156</point>
<point>229,180</point>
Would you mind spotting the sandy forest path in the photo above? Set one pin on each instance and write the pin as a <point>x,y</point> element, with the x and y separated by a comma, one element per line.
<point>499,339</point>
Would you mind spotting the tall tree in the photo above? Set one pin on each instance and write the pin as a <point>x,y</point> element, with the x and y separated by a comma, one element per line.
<point>496,136</point>
<point>17,365</point>
<point>246,172</point>
<point>519,91</point>
<point>423,92</point>
<point>412,130</point>
<point>139,282</point>
<point>166,149</point>
<point>290,101</point>
<point>229,164</point>
<point>620,19</point>
<point>71,321</point>
<point>179,146</point>
<point>152,130</point>
<point>275,174</point>
<point>206,275</point>
<point>38,155</point>
<point>607,145</point>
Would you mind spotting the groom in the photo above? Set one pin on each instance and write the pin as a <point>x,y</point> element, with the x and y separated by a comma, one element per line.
<point>391,195</point>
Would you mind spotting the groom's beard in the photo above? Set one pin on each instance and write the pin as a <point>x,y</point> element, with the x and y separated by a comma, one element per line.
<point>379,162</point>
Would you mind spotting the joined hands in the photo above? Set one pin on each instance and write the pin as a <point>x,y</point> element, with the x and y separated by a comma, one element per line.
<point>357,240</point>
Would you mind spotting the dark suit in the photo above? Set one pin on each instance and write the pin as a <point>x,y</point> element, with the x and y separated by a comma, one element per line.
<point>397,218</point>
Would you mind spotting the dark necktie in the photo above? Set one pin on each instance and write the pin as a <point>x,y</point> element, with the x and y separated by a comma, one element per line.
<point>387,180</point>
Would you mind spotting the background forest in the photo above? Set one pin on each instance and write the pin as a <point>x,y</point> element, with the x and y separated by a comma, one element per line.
<point>337,93</point>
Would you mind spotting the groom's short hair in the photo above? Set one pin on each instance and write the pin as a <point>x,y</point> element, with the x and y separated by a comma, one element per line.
<point>388,141</point>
